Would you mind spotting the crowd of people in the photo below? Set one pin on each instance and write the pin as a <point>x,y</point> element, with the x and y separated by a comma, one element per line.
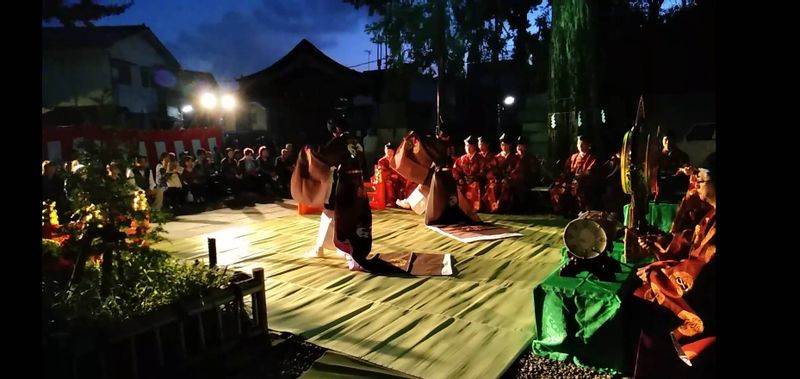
<point>495,182</point>
<point>503,182</point>
<point>178,181</point>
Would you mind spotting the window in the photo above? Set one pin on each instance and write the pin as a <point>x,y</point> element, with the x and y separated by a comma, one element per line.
<point>147,77</point>
<point>121,72</point>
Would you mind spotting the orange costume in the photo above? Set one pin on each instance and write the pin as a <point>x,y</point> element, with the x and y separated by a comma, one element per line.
<point>467,171</point>
<point>669,279</point>
<point>490,179</point>
<point>393,182</point>
<point>575,189</point>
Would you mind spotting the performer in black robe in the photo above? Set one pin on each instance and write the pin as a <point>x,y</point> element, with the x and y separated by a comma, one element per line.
<point>425,159</point>
<point>335,173</point>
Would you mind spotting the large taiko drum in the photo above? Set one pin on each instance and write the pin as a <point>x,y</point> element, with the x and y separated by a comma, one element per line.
<point>590,234</point>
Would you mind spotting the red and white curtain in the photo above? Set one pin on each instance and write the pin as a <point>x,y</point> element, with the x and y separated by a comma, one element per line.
<point>58,143</point>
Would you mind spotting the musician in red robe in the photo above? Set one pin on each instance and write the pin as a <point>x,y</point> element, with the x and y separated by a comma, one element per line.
<point>690,213</point>
<point>392,181</point>
<point>490,183</point>
<point>667,282</point>
<point>468,171</point>
<point>505,163</point>
<point>577,188</point>
<point>526,174</point>
<point>613,198</point>
<point>670,184</point>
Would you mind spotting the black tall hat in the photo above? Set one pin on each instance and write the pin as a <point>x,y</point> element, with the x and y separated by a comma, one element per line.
<point>710,165</point>
<point>337,122</point>
<point>505,139</point>
<point>471,140</point>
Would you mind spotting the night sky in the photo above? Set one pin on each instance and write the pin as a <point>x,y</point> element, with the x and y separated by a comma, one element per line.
<point>230,38</point>
<point>240,37</point>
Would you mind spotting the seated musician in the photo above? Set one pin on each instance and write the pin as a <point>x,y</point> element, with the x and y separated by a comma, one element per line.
<point>668,280</point>
<point>498,190</point>
<point>671,185</point>
<point>577,188</point>
<point>690,212</point>
<point>490,187</point>
<point>526,174</point>
<point>392,181</point>
<point>468,173</point>
<point>614,197</point>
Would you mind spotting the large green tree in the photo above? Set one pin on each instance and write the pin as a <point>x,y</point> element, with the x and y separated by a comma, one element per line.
<point>438,36</point>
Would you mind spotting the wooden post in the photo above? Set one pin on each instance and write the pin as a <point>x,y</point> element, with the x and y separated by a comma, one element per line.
<point>159,348</point>
<point>221,324</point>
<point>260,300</point>
<point>102,364</point>
<point>201,332</point>
<point>134,359</point>
<point>212,252</point>
<point>238,311</point>
<point>182,339</point>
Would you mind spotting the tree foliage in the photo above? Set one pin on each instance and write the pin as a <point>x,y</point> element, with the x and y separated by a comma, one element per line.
<point>84,12</point>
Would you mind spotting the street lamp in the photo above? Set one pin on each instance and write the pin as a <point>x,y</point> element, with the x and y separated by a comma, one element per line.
<point>228,102</point>
<point>188,108</point>
<point>208,100</point>
<point>508,101</point>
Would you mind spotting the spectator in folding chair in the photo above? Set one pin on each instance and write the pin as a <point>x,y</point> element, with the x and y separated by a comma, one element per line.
<point>266,172</point>
<point>142,176</point>
<point>284,169</point>
<point>201,173</point>
<point>229,172</point>
<point>248,168</point>
<point>193,182</point>
<point>53,188</point>
<point>174,194</point>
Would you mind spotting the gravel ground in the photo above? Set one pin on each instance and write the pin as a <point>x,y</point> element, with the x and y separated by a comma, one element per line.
<point>530,366</point>
<point>291,356</point>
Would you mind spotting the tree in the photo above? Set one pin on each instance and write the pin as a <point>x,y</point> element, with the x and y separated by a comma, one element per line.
<point>443,34</point>
<point>84,12</point>
<point>573,84</point>
<point>109,215</point>
<point>421,32</point>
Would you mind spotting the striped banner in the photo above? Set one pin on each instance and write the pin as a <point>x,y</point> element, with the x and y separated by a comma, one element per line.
<point>59,144</point>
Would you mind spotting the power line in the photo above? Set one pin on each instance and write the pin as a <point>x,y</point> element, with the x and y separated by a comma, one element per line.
<point>361,64</point>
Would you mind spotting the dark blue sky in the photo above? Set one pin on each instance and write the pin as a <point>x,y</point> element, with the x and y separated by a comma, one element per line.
<point>238,37</point>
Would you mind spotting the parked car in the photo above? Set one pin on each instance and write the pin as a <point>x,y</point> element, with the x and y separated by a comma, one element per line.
<point>699,141</point>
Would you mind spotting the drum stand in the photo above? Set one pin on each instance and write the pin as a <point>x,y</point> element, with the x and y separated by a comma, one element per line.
<point>602,266</point>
